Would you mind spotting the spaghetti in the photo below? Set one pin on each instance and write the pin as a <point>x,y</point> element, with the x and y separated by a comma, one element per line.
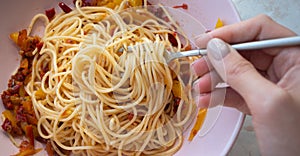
<point>92,95</point>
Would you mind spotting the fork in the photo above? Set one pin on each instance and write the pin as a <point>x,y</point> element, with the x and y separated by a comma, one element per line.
<point>279,42</point>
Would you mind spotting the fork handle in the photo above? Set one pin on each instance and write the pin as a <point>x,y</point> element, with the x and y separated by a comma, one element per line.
<point>271,43</point>
<point>279,42</point>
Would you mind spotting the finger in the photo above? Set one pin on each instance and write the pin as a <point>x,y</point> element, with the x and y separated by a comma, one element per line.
<point>290,82</point>
<point>211,99</point>
<point>261,61</point>
<point>203,100</point>
<point>216,97</point>
<point>257,28</point>
<point>235,100</point>
<point>201,66</point>
<point>207,82</point>
<point>239,73</point>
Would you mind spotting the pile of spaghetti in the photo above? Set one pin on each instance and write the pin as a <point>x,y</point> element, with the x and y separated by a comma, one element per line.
<point>99,83</point>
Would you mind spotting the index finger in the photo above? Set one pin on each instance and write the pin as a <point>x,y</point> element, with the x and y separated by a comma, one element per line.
<point>258,28</point>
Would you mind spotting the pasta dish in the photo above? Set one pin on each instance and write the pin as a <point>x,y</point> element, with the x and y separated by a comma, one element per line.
<point>99,84</point>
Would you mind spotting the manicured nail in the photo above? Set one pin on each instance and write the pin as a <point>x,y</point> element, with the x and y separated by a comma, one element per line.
<point>195,67</point>
<point>202,40</point>
<point>196,89</point>
<point>217,48</point>
<point>200,103</point>
<point>197,101</point>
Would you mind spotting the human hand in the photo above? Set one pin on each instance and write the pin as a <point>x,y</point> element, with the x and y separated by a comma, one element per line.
<point>264,83</point>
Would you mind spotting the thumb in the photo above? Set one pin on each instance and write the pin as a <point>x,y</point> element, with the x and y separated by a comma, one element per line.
<point>237,72</point>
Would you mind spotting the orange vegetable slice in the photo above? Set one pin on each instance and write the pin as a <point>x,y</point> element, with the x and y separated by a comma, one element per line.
<point>199,122</point>
<point>219,24</point>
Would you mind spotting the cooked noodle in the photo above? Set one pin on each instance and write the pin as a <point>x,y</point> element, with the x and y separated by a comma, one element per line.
<point>94,96</point>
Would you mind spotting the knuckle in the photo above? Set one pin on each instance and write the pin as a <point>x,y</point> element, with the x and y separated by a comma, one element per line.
<point>264,18</point>
<point>276,102</point>
<point>239,69</point>
<point>279,96</point>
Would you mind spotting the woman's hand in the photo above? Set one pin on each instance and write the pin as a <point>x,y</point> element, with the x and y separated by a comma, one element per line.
<point>264,83</point>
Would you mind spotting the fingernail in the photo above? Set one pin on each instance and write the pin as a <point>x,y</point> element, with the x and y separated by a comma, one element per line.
<point>194,67</point>
<point>202,40</point>
<point>199,101</point>
<point>196,89</point>
<point>217,48</point>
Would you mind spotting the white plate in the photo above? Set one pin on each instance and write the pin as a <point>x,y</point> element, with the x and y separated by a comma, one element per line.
<point>222,125</point>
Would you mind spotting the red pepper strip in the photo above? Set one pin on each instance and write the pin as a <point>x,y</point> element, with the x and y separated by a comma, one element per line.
<point>64,7</point>
<point>172,39</point>
<point>39,46</point>
<point>49,149</point>
<point>183,6</point>
<point>29,134</point>
<point>87,3</point>
<point>50,13</point>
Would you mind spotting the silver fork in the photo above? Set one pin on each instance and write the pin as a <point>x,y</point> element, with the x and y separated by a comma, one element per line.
<point>279,42</point>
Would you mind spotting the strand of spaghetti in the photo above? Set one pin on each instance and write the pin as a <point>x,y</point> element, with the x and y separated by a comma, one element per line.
<point>34,20</point>
<point>92,9</point>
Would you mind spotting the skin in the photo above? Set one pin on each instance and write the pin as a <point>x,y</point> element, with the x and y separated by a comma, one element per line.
<point>263,83</point>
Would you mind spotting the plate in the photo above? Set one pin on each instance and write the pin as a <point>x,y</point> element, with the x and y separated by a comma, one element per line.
<point>222,124</point>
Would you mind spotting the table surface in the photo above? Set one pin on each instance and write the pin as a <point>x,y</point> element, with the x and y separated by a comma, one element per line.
<point>286,13</point>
